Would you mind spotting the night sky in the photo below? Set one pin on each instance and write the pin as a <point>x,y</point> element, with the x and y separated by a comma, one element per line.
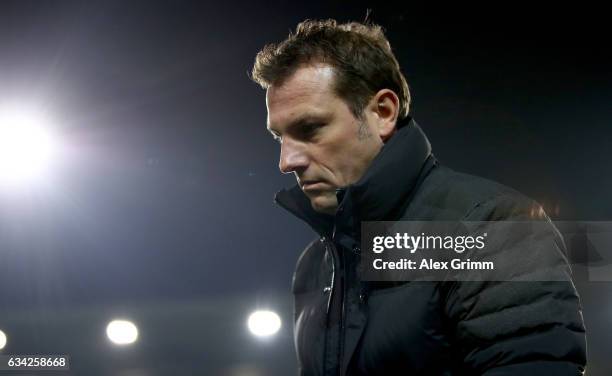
<point>165,189</point>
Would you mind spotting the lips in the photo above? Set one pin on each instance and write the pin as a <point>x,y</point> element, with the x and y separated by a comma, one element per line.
<point>312,185</point>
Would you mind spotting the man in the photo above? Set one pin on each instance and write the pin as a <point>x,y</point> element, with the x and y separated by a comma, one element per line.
<point>338,104</point>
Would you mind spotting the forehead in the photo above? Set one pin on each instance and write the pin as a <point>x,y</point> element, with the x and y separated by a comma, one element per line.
<point>308,91</point>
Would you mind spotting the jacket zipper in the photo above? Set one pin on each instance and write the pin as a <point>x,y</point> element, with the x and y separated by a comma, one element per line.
<point>333,277</point>
<point>332,285</point>
<point>342,316</point>
<point>333,251</point>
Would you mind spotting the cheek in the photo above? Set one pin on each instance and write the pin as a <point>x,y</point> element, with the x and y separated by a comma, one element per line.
<point>351,157</point>
<point>345,156</point>
<point>337,163</point>
<point>355,160</point>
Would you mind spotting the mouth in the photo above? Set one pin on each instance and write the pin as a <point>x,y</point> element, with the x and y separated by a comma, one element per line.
<point>312,185</point>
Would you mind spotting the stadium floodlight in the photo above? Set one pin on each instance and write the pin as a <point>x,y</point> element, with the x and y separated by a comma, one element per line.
<point>264,323</point>
<point>122,332</point>
<point>26,144</point>
<point>2,339</point>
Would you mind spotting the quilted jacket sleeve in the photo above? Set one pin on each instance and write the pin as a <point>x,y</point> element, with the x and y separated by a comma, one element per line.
<point>519,327</point>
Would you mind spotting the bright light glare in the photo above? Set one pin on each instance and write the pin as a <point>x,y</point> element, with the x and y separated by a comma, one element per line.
<point>26,144</point>
<point>2,339</point>
<point>122,332</point>
<point>264,323</point>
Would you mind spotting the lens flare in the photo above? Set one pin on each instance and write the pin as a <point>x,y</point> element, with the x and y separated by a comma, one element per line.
<point>27,145</point>
<point>264,323</point>
<point>122,332</point>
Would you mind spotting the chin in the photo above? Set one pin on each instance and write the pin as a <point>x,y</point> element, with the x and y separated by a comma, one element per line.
<point>324,204</point>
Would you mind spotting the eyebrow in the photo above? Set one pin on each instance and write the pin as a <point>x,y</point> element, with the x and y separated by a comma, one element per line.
<point>301,121</point>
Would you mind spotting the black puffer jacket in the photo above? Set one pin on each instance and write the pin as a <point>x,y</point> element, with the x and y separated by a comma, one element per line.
<point>344,326</point>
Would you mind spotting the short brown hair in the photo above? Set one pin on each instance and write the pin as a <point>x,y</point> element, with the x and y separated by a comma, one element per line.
<point>359,53</point>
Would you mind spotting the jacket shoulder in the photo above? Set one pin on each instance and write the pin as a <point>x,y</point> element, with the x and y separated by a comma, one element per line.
<point>446,194</point>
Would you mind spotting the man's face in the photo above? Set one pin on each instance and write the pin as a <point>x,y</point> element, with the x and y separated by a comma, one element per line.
<point>322,142</point>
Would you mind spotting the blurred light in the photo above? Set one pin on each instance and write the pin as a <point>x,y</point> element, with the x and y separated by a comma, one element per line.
<point>2,339</point>
<point>264,323</point>
<point>122,332</point>
<point>26,144</point>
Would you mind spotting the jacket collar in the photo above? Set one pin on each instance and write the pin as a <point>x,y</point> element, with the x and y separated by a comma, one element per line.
<point>384,188</point>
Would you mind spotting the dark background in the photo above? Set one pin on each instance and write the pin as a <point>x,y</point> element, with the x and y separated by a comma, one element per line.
<point>162,209</point>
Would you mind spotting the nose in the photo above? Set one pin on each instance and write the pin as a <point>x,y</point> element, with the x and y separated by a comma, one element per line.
<point>293,157</point>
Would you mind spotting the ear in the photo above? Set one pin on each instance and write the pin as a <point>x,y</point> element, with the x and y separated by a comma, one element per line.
<point>384,107</point>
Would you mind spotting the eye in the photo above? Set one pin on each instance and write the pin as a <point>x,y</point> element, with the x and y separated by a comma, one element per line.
<point>309,130</point>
